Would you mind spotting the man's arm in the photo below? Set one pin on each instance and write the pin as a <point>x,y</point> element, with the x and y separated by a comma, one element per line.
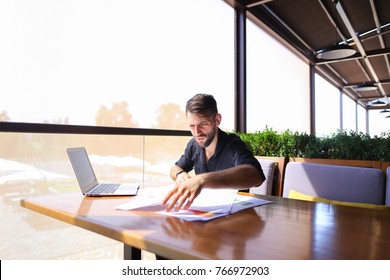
<point>240,177</point>
<point>243,176</point>
<point>175,170</point>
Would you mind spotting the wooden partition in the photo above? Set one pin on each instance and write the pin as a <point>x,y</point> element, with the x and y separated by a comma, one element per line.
<point>280,165</point>
<point>346,162</point>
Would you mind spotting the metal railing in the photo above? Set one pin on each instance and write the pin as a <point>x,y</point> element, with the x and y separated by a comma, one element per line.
<point>85,129</point>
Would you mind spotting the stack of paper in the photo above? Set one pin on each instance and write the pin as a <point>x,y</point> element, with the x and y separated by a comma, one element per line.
<point>210,203</point>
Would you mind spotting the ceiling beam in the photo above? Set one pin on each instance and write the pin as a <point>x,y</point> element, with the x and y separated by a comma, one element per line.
<point>250,4</point>
<point>266,17</point>
<point>378,30</point>
<point>382,52</point>
<point>359,45</point>
<point>332,20</point>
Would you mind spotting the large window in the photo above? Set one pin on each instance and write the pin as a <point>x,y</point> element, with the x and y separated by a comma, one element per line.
<point>327,107</point>
<point>378,122</point>
<point>277,85</point>
<point>349,114</point>
<point>354,116</point>
<point>362,119</point>
<point>105,63</point>
<point>121,63</point>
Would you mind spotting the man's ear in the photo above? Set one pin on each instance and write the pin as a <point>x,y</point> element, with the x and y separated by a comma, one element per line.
<point>218,119</point>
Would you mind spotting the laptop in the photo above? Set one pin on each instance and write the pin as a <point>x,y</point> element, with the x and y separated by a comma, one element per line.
<point>87,180</point>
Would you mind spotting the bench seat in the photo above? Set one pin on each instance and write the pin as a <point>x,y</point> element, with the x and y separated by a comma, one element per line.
<point>335,182</point>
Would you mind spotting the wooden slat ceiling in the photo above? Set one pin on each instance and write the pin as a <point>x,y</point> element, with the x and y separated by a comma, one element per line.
<point>309,26</point>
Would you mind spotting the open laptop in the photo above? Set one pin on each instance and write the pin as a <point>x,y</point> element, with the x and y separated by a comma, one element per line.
<point>87,180</point>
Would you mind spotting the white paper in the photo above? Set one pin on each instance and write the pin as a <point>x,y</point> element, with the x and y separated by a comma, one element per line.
<point>245,201</point>
<point>146,197</point>
<point>220,200</point>
<point>214,200</point>
<point>210,203</point>
<point>241,202</point>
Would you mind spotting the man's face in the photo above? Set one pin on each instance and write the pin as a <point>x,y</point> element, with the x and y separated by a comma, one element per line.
<point>203,128</point>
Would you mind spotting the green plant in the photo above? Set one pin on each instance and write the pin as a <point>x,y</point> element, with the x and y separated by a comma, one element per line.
<point>339,145</point>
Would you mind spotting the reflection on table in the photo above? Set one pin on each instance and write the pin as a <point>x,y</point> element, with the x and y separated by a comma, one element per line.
<point>285,229</point>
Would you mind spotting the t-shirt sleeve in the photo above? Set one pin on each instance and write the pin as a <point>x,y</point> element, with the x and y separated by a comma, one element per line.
<point>242,155</point>
<point>186,160</point>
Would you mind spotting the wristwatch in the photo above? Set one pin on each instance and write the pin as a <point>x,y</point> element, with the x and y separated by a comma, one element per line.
<point>178,173</point>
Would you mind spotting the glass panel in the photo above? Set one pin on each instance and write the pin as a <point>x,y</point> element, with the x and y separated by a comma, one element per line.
<point>349,114</point>
<point>161,153</point>
<point>117,63</point>
<point>37,164</point>
<point>103,62</point>
<point>277,85</point>
<point>327,107</point>
<point>362,124</point>
<point>378,123</point>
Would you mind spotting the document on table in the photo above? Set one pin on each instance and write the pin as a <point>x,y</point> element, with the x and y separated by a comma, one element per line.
<point>239,203</point>
<point>210,203</point>
<point>219,200</point>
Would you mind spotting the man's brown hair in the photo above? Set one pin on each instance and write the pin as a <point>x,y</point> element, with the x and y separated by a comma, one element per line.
<point>202,104</point>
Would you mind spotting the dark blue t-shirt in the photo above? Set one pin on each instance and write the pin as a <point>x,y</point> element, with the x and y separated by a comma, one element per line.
<point>231,151</point>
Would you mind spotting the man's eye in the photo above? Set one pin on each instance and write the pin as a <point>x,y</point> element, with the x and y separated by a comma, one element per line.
<point>199,125</point>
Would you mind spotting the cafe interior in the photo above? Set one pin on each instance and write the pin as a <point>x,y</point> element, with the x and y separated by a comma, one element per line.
<point>347,43</point>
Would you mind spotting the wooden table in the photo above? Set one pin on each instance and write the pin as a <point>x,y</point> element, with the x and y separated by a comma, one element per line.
<point>285,229</point>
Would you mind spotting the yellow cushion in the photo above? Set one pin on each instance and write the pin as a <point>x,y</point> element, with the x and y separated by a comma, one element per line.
<point>297,195</point>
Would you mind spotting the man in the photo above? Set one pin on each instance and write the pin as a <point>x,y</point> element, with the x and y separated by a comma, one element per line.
<point>220,160</point>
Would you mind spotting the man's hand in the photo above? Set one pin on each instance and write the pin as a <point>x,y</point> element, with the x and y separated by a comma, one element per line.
<point>182,177</point>
<point>183,193</point>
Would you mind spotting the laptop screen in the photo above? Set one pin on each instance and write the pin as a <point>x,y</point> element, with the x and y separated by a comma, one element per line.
<point>82,168</point>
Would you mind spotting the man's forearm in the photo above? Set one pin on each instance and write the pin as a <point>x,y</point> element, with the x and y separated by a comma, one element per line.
<point>174,170</point>
<point>239,177</point>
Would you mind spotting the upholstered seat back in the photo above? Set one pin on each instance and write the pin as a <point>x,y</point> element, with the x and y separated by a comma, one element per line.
<point>268,167</point>
<point>387,186</point>
<point>335,182</point>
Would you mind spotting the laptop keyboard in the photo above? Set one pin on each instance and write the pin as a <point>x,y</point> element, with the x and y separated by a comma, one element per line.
<point>105,188</point>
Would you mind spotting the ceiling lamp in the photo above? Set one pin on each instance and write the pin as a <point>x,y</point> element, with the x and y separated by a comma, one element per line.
<point>336,52</point>
<point>384,111</point>
<point>366,87</point>
<point>376,102</point>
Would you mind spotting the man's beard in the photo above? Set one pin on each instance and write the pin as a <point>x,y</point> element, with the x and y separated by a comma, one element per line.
<point>208,140</point>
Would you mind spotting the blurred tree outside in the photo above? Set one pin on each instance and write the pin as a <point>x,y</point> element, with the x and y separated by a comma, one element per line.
<point>171,117</point>
<point>118,115</point>
<point>4,116</point>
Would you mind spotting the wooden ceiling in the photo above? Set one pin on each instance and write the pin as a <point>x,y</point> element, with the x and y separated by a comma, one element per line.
<point>309,26</point>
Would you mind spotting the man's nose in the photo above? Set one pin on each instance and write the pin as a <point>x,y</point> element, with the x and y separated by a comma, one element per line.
<point>197,129</point>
